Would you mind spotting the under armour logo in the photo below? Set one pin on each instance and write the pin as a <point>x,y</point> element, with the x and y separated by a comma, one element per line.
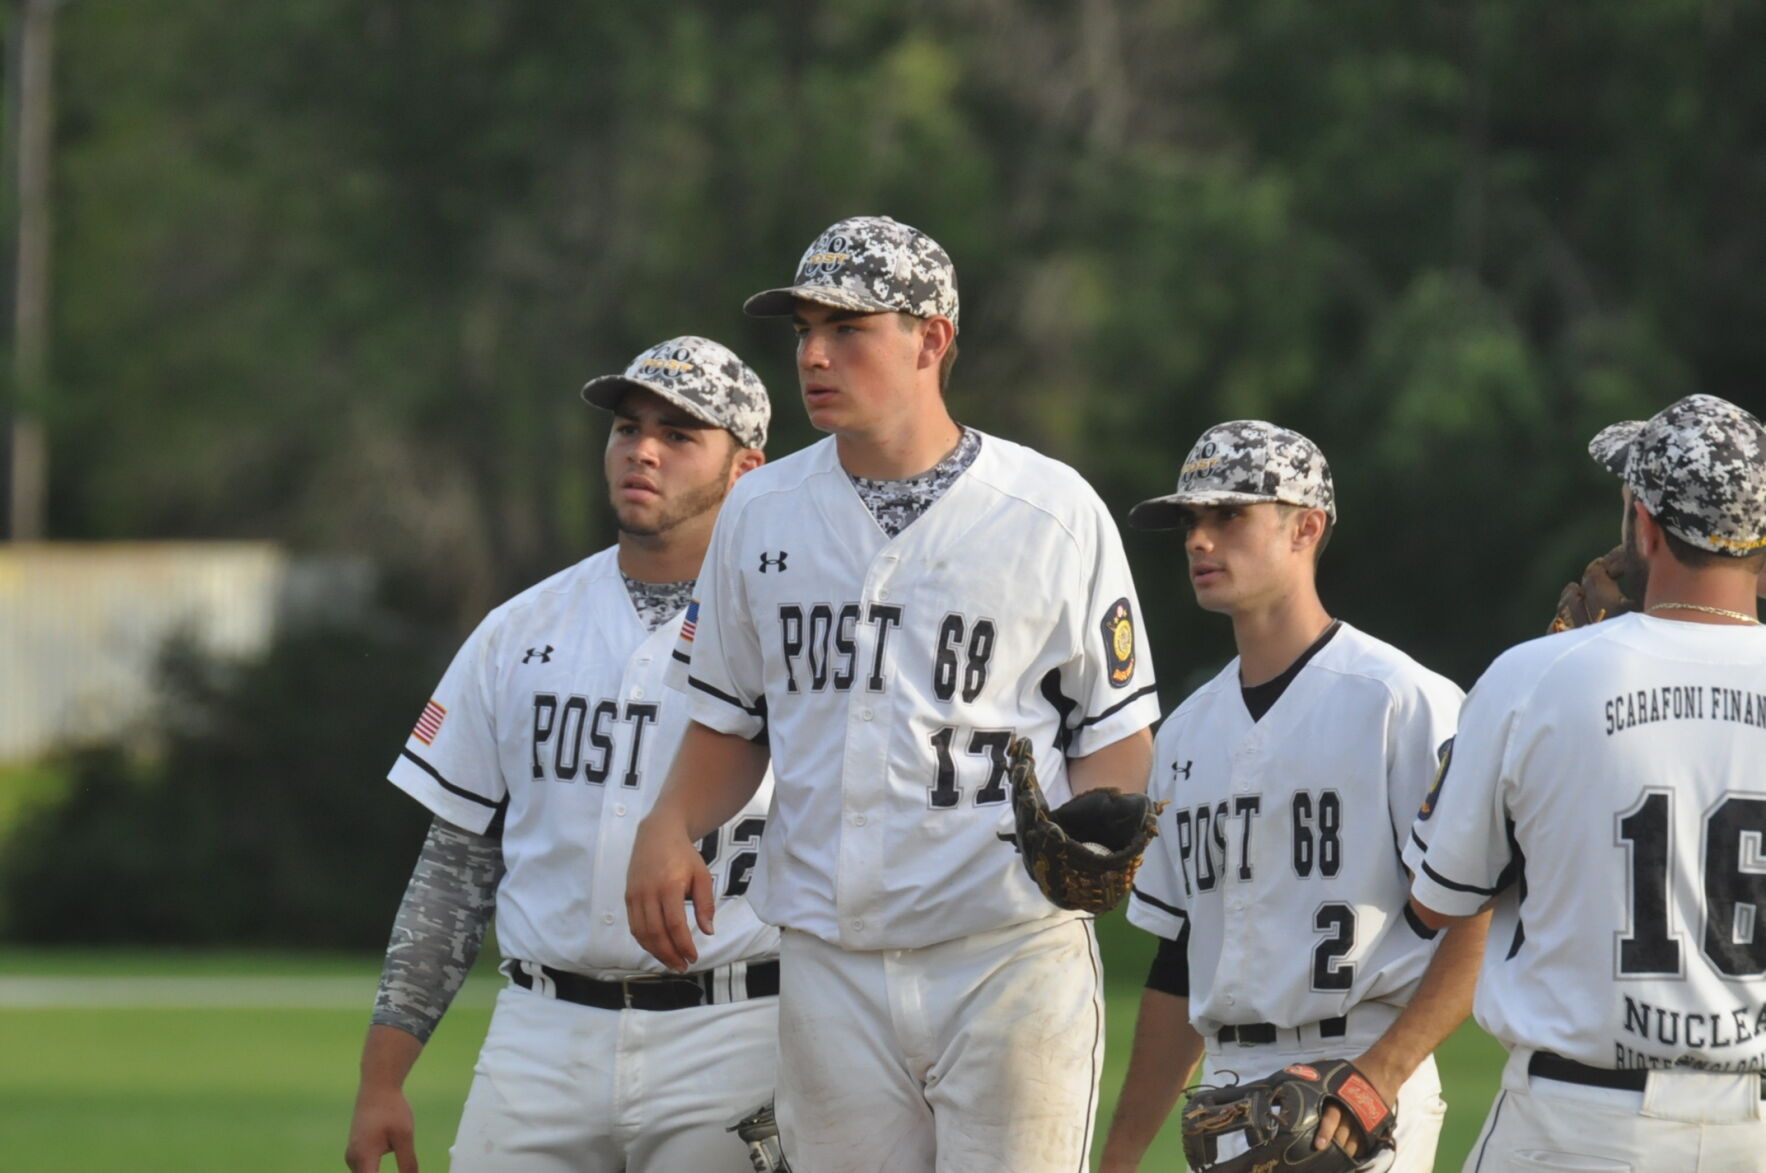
<point>767,560</point>
<point>545,654</point>
<point>1183,769</point>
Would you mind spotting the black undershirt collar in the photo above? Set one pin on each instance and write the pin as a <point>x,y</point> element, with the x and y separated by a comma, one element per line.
<point>1260,698</point>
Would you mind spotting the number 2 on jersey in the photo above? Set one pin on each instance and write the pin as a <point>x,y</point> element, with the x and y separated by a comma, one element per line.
<point>745,841</point>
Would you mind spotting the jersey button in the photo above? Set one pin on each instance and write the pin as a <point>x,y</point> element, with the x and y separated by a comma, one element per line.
<point>858,926</point>
<point>619,808</point>
<point>607,918</point>
<point>864,714</point>
<point>637,694</point>
<point>859,820</point>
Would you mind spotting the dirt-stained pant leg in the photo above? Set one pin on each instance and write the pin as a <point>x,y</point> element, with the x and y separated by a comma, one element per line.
<point>979,1055</point>
<point>1015,1087</point>
<point>848,1101</point>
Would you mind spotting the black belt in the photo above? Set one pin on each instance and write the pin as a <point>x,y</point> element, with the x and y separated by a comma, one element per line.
<point>1254,1033</point>
<point>1546,1065</point>
<point>670,992</point>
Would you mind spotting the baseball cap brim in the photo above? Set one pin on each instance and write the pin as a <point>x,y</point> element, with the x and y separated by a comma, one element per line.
<point>780,303</point>
<point>606,392</point>
<point>1612,445</point>
<point>1167,512</point>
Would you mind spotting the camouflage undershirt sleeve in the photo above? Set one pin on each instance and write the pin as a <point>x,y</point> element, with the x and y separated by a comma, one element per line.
<point>439,928</point>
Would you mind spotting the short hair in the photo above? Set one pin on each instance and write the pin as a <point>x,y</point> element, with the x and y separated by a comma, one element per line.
<point>1696,558</point>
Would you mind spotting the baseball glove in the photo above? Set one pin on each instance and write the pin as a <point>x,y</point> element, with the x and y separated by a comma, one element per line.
<point>1278,1117</point>
<point>1084,855</point>
<point>1601,594</point>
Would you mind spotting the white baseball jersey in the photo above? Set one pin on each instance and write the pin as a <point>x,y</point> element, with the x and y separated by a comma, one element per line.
<point>1611,783</point>
<point>556,712</point>
<point>1281,847</point>
<point>890,674</point>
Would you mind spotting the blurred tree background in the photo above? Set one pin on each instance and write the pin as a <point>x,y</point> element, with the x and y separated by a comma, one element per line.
<point>331,271</point>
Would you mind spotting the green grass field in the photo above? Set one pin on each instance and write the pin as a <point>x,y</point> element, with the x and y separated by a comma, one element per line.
<point>223,1084</point>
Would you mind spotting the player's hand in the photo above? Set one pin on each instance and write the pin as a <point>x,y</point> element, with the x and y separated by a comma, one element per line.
<point>382,1124</point>
<point>1332,1126</point>
<point>667,871</point>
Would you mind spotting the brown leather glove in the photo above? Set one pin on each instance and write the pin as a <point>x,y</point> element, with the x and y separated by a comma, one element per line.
<point>1601,594</point>
<point>1084,854</point>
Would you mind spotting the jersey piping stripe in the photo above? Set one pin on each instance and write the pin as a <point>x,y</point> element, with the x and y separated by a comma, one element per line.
<point>480,799</point>
<point>1063,705</point>
<point>1160,904</point>
<point>681,657</point>
<point>1455,885</point>
<point>1121,704</point>
<point>1416,923</point>
<point>1418,839</point>
<point>751,710</point>
<point>1495,1115</point>
<point>1097,1009</point>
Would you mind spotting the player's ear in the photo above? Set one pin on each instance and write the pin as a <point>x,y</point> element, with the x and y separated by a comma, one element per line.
<point>1309,527</point>
<point>746,461</point>
<point>936,336</point>
<point>1649,534</point>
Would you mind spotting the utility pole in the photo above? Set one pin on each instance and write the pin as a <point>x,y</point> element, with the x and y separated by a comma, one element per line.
<point>28,488</point>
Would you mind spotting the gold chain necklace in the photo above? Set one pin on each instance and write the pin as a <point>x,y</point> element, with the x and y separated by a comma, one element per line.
<point>1725,612</point>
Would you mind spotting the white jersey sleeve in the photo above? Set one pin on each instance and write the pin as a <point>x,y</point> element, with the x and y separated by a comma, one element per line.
<point>449,762</point>
<point>1425,717</point>
<point>717,661</point>
<point>1111,673</point>
<point>1158,901</point>
<point>1460,847</point>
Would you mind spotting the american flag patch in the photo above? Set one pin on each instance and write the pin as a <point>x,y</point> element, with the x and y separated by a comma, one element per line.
<point>691,622</point>
<point>429,724</point>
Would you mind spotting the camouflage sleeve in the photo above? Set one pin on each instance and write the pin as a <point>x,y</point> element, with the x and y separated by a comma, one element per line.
<point>439,928</point>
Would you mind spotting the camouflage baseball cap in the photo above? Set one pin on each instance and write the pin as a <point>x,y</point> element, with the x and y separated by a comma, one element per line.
<point>1699,466</point>
<point>1244,462</point>
<point>871,264</point>
<point>701,378</point>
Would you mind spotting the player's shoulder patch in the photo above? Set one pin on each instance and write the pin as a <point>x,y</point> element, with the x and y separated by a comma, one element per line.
<point>1118,628</point>
<point>1445,754</point>
<point>429,722</point>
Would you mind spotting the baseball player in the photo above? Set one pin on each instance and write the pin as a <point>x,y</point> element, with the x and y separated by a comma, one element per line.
<point>545,743</point>
<point>889,607</point>
<point>1276,885</point>
<point>1605,788</point>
